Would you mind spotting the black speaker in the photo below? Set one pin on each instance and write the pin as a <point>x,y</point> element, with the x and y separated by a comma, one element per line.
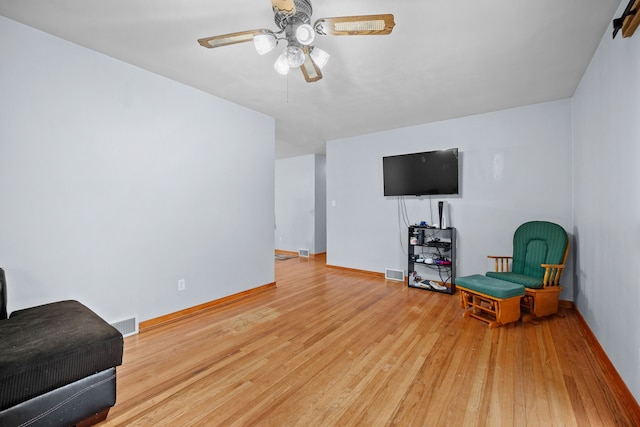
<point>440,207</point>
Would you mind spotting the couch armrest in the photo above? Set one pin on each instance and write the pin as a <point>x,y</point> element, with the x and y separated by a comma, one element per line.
<point>502,262</point>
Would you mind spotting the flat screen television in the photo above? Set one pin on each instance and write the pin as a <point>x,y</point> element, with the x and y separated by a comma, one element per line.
<point>420,174</point>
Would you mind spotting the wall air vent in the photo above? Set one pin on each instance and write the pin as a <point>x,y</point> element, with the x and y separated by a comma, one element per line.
<point>303,252</point>
<point>391,274</point>
<point>127,326</point>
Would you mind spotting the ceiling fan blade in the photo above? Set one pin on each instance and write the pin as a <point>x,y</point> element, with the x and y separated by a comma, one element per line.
<point>284,6</point>
<point>232,38</point>
<point>364,25</point>
<point>309,68</point>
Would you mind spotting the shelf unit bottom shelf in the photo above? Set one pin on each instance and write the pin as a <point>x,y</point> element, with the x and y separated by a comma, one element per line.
<point>448,289</point>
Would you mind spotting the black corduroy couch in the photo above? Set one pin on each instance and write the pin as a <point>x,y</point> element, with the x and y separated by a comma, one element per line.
<point>57,364</point>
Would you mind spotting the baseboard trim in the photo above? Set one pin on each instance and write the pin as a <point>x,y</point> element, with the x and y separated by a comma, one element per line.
<point>295,253</point>
<point>566,304</point>
<point>624,394</point>
<point>281,252</point>
<point>355,270</point>
<point>187,312</point>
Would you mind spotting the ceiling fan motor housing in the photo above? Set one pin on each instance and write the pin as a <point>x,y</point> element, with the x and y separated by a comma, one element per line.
<point>289,23</point>
<point>302,13</point>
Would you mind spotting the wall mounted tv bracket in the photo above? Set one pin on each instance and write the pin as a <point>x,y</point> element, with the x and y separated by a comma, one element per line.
<point>629,20</point>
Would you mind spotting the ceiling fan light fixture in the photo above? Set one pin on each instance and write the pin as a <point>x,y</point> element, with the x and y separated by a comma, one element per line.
<point>305,34</point>
<point>294,56</point>
<point>281,65</point>
<point>319,56</point>
<point>293,19</point>
<point>264,43</point>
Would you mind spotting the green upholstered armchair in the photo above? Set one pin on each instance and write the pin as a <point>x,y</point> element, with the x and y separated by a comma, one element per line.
<point>540,251</point>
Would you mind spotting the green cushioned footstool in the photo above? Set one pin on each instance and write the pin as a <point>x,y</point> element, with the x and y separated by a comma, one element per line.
<point>494,301</point>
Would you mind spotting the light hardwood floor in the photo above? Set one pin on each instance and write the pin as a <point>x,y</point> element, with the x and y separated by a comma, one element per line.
<point>334,347</point>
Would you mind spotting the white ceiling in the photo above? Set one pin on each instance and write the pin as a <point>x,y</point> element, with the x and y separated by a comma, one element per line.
<point>444,59</point>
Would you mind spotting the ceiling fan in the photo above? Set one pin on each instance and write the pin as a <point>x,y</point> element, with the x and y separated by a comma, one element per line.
<point>293,18</point>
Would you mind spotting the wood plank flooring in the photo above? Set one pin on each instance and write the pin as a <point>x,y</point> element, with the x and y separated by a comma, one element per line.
<point>329,347</point>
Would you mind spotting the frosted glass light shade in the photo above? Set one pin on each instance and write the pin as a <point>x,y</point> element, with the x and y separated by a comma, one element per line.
<point>319,56</point>
<point>294,56</point>
<point>264,43</point>
<point>281,65</point>
<point>305,34</point>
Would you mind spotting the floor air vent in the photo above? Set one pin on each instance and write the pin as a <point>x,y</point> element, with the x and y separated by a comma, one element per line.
<point>392,274</point>
<point>127,326</point>
<point>303,252</point>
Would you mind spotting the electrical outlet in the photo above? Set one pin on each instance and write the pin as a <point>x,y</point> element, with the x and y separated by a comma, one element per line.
<point>181,285</point>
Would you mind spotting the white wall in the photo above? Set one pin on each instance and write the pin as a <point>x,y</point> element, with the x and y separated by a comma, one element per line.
<point>515,167</point>
<point>300,204</point>
<point>606,192</point>
<point>115,183</point>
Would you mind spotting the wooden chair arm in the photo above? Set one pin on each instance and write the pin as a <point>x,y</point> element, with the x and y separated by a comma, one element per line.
<point>552,273</point>
<point>502,262</point>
